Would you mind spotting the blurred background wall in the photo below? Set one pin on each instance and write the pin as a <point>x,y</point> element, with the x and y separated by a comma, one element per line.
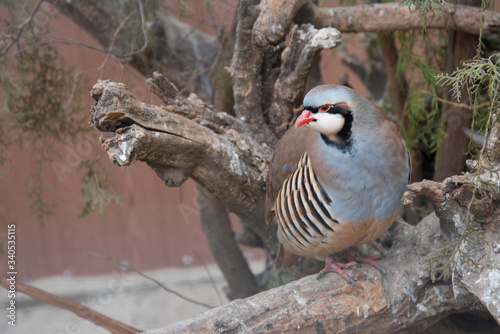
<point>154,226</point>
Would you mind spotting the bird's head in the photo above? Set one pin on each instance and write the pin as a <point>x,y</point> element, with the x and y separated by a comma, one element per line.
<point>328,110</point>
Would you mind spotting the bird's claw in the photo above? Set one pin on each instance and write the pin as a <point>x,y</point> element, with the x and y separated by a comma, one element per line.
<point>332,266</point>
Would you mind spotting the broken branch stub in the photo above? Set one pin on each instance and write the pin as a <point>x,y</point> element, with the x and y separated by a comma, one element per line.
<point>178,143</point>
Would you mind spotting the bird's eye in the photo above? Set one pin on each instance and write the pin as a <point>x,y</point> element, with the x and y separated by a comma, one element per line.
<point>325,107</point>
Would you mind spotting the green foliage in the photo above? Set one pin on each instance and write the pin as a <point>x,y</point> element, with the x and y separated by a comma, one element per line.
<point>37,187</point>
<point>96,191</point>
<point>133,15</point>
<point>481,77</point>
<point>425,126</point>
<point>33,93</point>
<point>183,7</point>
<point>474,74</point>
<point>40,110</point>
<point>424,7</point>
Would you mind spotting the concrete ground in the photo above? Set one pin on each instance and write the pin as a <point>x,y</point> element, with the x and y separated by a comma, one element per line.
<point>123,296</point>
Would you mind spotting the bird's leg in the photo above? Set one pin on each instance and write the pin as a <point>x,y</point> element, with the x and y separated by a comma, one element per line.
<point>352,257</point>
<point>331,265</point>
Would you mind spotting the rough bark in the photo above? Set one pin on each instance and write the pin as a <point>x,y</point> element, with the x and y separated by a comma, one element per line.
<point>394,17</point>
<point>402,300</point>
<point>451,198</point>
<point>246,72</point>
<point>187,138</point>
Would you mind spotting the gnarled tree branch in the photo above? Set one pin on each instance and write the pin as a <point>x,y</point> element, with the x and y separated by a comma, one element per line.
<point>199,144</point>
<point>401,301</point>
<point>246,73</point>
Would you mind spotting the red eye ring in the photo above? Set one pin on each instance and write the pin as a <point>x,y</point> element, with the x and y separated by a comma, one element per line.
<point>325,107</point>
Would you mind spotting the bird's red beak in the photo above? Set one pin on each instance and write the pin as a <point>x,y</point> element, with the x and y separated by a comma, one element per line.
<point>304,118</point>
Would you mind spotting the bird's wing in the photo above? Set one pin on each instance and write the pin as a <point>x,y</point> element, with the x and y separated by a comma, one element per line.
<point>287,154</point>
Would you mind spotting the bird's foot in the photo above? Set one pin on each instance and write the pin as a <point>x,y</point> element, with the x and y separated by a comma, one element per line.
<point>352,257</point>
<point>333,266</point>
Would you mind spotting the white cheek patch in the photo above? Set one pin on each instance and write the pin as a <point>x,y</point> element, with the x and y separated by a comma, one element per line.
<point>328,124</point>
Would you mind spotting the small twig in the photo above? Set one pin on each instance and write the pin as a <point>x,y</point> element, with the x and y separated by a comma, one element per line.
<point>113,39</point>
<point>105,61</point>
<point>144,32</point>
<point>107,51</point>
<point>489,123</point>
<point>209,276</point>
<point>462,105</point>
<point>201,71</point>
<point>128,267</point>
<point>56,39</point>
<point>21,28</point>
<point>162,87</point>
<point>80,310</point>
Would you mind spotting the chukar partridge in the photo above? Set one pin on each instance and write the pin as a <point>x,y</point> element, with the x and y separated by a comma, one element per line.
<point>337,178</point>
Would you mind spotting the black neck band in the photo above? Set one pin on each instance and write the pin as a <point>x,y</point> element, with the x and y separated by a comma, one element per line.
<point>343,140</point>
